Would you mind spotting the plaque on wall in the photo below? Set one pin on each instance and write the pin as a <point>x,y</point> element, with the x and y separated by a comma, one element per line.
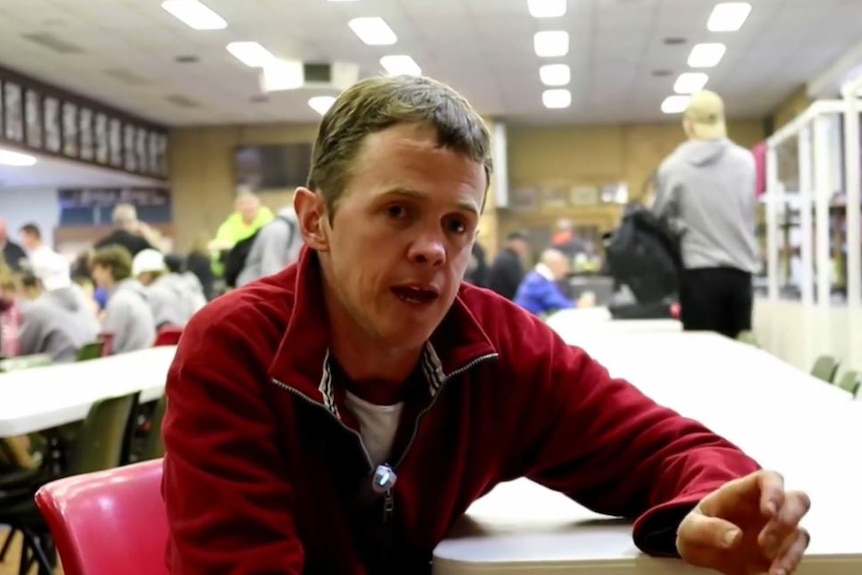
<point>115,142</point>
<point>33,118</point>
<point>13,106</point>
<point>53,131</point>
<point>130,160</point>
<point>162,155</point>
<point>142,151</point>
<point>85,119</point>
<point>70,129</point>
<point>102,143</point>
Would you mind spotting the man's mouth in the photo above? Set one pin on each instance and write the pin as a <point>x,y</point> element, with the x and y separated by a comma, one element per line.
<point>415,294</point>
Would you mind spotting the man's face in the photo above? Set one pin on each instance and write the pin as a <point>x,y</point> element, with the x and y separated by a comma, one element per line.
<point>247,207</point>
<point>400,240</point>
<point>29,240</point>
<point>101,275</point>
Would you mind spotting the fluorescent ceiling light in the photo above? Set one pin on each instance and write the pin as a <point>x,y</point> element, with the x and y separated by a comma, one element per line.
<point>555,74</point>
<point>194,14</point>
<point>728,16</point>
<point>373,31</point>
<point>17,159</point>
<point>551,43</point>
<point>690,82</point>
<point>321,104</point>
<point>252,54</point>
<point>546,8</point>
<point>400,64</point>
<point>557,98</point>
<point>675,104</point>
<point>282,75</point>
<point>706,55</point>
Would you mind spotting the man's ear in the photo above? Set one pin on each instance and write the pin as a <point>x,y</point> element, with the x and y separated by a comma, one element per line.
<point>313,222</point>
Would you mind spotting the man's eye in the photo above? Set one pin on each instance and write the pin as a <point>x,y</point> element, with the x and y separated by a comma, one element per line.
<point>456,226</point>
<point>396,212</point>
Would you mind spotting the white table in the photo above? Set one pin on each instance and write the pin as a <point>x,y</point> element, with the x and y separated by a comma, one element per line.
<point>787,420</point>
<point>44,397</point>
<point>576,326</point>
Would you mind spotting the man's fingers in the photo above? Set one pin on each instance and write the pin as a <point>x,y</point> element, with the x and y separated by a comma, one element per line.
<point>771,492</point>
<point>700,531</point>
<point>796,505</point>
<point>791,555</point>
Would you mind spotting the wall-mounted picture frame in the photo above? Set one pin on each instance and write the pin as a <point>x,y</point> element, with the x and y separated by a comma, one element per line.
<point>13,112</point>
<point>33,118</point>
<point>102,138</point>
<point>116,142</point>
<point>87,139</point>
<point>71,146</point>
<point>142,150</point>
<point>130,160</point>
<point>53,125</point>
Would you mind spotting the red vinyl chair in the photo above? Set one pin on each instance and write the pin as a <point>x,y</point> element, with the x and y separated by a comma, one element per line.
<point>108,522</point>
<point>168,335</point>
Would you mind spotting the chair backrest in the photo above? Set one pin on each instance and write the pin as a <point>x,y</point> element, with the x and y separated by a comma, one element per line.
<point>103,438</point>
<point>825,368</point>
<point>108,522</point>
<point>168,335</point>
<point>25,362</point>
<point>91,350</point>
<point>155,446</point>
<point>850,381</point>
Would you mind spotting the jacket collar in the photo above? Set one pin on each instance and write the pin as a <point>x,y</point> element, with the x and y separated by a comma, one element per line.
<point>301,362</point>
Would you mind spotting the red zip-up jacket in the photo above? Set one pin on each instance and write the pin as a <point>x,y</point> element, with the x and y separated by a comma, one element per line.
<point>265,472</point>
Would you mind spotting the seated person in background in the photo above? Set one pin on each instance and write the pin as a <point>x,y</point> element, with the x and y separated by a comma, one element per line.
<point>507,271</point>
<point>129,232</point>
<point>127,315</point>
<point>10,314</point>
<point>168,294</point>
<point>539,292</point>
<point>275,247</point>
<point>193,287</point>
<point>338,417</point>
<point>248,217</point>
<point>58,321</point>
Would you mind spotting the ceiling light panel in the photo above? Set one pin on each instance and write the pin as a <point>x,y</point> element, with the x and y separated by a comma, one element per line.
<point>194,14</point>
<point>706,55</point>
<point>556,98</point>
<point>690,82</point>
<point>728,16</point>
<point>555,74</point>
<point>321,104</point>
<point>252,54</point>
<point>373,31</point>
<point>282,75</point>
<point>675,104</point>
<point>16,159</point>
<point>551,43</point>
<point>400,64</point>
<point>546,8</point>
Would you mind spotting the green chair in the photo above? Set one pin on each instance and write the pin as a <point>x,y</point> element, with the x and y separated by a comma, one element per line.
<point>90,351</point>
<point>851,382</point>
<point>99,446</point>
<point>154,446</point>
<point>825,368</point>
<point>748,337</point>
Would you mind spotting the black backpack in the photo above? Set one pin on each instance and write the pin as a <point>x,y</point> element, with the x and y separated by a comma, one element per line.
<point>234,260</point>
<point>644,254</point>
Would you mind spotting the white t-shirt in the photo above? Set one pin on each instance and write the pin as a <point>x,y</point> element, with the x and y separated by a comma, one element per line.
<point>377,425</point>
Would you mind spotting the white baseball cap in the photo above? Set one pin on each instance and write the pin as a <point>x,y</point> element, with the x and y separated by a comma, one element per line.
<point>53,270</point>
<point>148,260</point>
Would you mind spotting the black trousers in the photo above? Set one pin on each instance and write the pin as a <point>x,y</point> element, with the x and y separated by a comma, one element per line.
<point>716,299</point>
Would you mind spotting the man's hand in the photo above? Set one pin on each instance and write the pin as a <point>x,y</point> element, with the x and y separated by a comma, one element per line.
<point>747,526</point>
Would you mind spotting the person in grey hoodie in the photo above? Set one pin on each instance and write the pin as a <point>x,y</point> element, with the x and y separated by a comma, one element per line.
<point>127,315</point>
<point>706,187</point>
<point>172,298</point>
<point>58,321</point>
<point>275,247</point>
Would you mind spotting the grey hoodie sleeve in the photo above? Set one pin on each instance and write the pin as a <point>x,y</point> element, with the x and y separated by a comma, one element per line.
<point>666,199</point>
<point>32,335</point>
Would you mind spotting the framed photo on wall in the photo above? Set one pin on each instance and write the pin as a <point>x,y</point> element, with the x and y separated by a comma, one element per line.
<point>129,157</point>
<point>100,134</point>
<point>85,119</point>
<point>70,129</point>
<point>116,142</point>
<point>33,118</point>
<point>13,112</point>
<point>53,127</point>
<point>142,150</point>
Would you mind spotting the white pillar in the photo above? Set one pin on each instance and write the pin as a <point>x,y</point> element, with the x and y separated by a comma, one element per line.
<point>852,184</point>
<point>806,223</point>
<point>823,190</point>
<point>774,197</point>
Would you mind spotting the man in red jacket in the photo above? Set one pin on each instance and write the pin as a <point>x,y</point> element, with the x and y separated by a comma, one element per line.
<point>338,417</point>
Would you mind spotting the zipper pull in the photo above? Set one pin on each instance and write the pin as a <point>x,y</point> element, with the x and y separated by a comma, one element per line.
<point>388,506</point>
